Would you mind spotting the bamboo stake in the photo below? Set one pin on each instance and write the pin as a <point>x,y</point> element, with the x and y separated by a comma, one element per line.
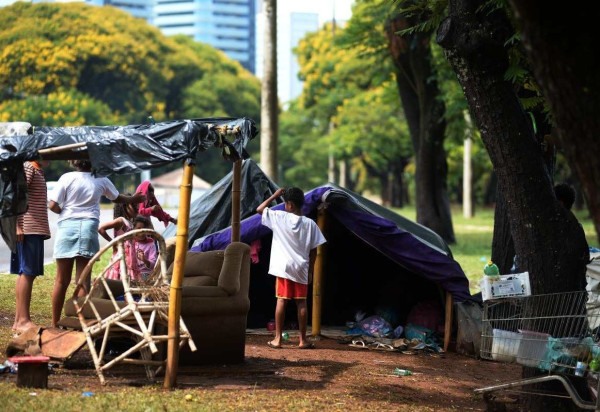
<point>448,321</point>
<point>318,279</point>
<point>53,150</point>
<point>235,201</point>
<point>181,244</point>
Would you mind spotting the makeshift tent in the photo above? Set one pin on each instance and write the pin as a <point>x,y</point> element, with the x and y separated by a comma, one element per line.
<point>375,260</point>
<point>127,149</point>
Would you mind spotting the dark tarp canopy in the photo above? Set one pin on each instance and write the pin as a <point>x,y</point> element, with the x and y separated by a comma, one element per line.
<point>114,150</point>
<point>374,257</point>
<point>211,212</point>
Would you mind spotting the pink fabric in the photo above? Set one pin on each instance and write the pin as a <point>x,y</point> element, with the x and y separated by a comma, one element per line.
<point>114,272</point>
<point>148,250</point>
<point>145,208</point>
<point>255,247</point>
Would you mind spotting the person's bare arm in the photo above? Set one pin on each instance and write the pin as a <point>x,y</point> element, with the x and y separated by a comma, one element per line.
<point>113,224</point>
<point>53,206</point>
<point>138,197</point>
<point>267,202</point>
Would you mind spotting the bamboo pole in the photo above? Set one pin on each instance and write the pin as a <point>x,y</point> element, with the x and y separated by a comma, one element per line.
<point>64,148</point>
<point>318,278</point>
<point>181,244</point>
<point>236,201</point>
<point>448,321</point>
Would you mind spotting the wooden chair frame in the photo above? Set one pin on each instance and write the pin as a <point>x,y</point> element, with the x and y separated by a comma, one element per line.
<point>146,306</point>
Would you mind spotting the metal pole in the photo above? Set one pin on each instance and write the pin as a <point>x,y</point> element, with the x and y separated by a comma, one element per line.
<point>181,245</point>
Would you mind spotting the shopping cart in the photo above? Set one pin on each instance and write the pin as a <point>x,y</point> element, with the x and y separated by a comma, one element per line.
<point>556,333</point>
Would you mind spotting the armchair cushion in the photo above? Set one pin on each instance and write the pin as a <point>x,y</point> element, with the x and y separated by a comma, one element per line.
<point>201,264</point>
<point>199,281</point>
<point>202,292</point>
<point>229,279</point>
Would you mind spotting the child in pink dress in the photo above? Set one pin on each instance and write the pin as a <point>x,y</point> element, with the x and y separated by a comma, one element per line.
<point>121,224</point>
<point>145,248</point>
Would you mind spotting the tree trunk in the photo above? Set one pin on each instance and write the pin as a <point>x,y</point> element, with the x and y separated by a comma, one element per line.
<point>269,110</point>
<point>467,196</point>
<point>548,239</point>
<point>424,113</point>
<point>562,45</point>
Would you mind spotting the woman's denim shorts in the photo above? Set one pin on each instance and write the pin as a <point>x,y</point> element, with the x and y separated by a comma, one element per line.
<point>76,237</point>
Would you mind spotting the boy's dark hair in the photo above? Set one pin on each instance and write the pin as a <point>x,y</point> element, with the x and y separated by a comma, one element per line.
<point>82,164</point>
<point>142,219</point>
<point>565,193</point>
<point>294,195</point>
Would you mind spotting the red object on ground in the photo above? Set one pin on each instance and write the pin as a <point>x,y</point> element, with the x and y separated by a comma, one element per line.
<point>29,359</point>
<point>32,372</point>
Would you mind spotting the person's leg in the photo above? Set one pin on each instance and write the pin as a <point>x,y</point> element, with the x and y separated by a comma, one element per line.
<point>80,263</point>
<point>23,300</point>
<point>279,320</point>
<point>17,303</point>
<point>302,321</point>
<point>64,268</point>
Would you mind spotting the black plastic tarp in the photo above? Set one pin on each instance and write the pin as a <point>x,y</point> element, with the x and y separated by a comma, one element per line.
<point>211,212</point>
<point>114,149</point>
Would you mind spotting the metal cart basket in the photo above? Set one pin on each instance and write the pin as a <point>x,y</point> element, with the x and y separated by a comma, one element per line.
<point>556,333</point>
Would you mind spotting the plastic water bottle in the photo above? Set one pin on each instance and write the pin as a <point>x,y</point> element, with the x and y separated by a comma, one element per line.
<point>491,270</point>
<point>285,336</point>
<point>402,372</point>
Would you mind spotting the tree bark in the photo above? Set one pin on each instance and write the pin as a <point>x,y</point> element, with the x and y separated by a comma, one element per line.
<point>424,113</point>
<point>547,237</point>
<point>562,44</point>
<point>269,108</point>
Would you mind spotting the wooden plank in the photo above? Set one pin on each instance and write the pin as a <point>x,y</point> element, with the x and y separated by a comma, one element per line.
<point>61,344</point>
<point>448,322</point>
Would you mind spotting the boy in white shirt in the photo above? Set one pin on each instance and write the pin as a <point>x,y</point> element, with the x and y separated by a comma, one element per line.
<point>293,253</point>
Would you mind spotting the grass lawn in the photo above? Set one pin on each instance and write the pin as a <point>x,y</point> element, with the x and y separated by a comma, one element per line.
<point>472,250</point>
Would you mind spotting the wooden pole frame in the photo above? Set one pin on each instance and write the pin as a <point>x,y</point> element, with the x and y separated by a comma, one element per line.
<point>181,246</point>
<point>318,275</point>
<point>236,201</point>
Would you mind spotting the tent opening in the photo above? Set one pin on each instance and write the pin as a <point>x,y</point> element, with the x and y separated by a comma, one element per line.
<point>357,278</point>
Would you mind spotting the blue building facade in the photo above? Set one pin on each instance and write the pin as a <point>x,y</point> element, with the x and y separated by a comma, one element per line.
<point>228,25</point>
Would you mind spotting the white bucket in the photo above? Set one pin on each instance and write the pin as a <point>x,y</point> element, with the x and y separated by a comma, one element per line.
<point>505,345</point>
<point>532,348</point>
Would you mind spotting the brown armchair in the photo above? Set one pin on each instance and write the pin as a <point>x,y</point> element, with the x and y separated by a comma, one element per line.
<point>215,304</point>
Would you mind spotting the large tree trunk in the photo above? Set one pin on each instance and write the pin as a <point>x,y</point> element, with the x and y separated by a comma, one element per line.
<point>269,108</point>
<point>548,239</point>
<point>562,44</point>
<point>424,113</point>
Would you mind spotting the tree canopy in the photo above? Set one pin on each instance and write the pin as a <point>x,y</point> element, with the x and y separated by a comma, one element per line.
<point>66,64</point>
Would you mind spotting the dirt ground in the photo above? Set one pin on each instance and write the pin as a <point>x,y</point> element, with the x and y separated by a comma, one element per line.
<point>333,369</point>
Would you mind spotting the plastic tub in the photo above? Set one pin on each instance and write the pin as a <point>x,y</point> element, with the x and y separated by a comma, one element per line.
<point>505,345</point>
<point>532,348</point>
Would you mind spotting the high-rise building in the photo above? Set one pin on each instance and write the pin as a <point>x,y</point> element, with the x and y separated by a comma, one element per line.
<point>137,8</point>
<point>227,25</point>
<point>295,20</point>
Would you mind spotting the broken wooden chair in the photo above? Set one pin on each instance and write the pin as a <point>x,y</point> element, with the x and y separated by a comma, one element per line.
<point>131,307</point>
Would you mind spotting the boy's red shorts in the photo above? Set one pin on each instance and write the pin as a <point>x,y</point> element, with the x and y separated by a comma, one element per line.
<point>288,289</point>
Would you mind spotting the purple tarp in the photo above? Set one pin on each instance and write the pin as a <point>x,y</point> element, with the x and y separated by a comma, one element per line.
<point>408,249</point>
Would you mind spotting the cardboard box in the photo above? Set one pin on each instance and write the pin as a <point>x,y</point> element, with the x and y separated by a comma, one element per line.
<point>504,286</point>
